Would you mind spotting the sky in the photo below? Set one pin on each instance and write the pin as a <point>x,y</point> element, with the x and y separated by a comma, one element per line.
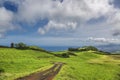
<point>60,22</point>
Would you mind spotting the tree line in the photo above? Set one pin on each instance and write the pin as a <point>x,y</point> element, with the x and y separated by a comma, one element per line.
<point>20,45</point>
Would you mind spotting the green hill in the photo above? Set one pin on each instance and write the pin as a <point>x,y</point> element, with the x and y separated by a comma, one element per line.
<point>15,63</point>
<point>86,65</point>
<point>90,65</point>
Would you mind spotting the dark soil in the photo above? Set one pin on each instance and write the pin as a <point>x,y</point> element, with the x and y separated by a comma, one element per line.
<point>48,74</point>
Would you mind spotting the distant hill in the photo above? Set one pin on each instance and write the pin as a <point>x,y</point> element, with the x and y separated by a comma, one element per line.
<point>109,47</point>
<point>1,46</point>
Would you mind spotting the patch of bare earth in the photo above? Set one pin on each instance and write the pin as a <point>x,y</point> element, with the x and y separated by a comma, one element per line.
<point>48,74</point>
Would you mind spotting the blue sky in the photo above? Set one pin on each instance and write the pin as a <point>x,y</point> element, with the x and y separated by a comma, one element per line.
<point>60,22</point>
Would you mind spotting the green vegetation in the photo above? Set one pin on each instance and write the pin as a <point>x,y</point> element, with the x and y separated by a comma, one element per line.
<point>20,45</point>
<point>15,63</point>
<point>85,48</point>
<point>65,54</point>
<point>90,66</point>
<point>80,65</point>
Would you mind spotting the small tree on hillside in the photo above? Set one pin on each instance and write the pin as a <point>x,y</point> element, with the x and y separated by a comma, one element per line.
<point>12,45</point>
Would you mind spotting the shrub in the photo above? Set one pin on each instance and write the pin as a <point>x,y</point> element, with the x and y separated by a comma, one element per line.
<point>71,53</point>
<point>82,49</point>
<point>85,48</point>
<point>21,46</point>
<point>72,49</point>
<point>2,70</point>
<point>88,48</point>
<point>65,55</point>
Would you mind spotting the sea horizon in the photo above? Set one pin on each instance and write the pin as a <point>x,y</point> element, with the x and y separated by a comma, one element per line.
<point>57,48</point>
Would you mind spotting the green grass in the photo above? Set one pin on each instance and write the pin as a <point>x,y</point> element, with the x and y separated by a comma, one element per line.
<point>85,66</point>
<point>21,62</point>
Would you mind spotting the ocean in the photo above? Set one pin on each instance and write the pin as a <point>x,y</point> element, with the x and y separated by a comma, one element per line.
<point>112,48</point>
<point>57,48</point>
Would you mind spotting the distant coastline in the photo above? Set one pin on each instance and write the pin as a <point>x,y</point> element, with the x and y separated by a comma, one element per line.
<point>112,48</point>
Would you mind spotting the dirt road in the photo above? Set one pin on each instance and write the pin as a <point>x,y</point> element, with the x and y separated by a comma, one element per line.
<point>48,74</point>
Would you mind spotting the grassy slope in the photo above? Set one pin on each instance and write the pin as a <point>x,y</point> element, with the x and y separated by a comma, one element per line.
<point>21,62</point>
<point>90,66</point>
<point>85,66</point>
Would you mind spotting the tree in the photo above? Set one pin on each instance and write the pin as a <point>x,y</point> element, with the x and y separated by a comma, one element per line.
<point>87,48</point>
<point>21,46</point>
<point>72,49</point>
<point>12,45</point>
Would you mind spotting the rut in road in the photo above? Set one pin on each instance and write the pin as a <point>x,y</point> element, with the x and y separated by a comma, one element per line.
<point>48,74</point>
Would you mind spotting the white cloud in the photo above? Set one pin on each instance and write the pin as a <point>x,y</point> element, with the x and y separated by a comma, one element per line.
<point>114,22</point>
<point>69,11</point>
<point>41,31</point>
<point>5,21</point>
<point>104,40</point>
<point>65,16</point>
<point>57,26</point>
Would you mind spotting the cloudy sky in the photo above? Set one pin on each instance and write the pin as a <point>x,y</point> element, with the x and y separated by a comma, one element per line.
<point>60,22</point>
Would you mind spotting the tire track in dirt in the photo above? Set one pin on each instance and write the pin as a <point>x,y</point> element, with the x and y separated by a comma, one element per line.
<point>48,74</point>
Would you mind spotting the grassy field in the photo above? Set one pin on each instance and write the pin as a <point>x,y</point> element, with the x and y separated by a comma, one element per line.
<point>16,63</point>
<point>86,65</point>
<point>90,66</point>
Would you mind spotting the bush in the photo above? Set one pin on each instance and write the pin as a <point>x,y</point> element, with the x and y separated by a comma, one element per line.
<point>88,48</point>
<point>72,49</point>
<point>2,70</point>
<point>85,48</point>
<point>82,49</point>
<point>65,55</point>
<point>71,53</point>
<point>21,46</point>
